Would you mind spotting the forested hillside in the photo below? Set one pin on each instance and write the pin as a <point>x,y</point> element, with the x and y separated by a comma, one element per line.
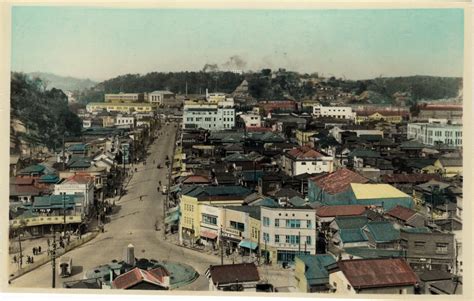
<point>44,113</point>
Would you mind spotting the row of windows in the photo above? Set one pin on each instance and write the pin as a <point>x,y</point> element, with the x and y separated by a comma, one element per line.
<point>198,119</point>
<point>315,163</point>
<point>188,207</point>
<point>288,223</point>
<point>289,239</point>
<point>188,220</point>
<point>237,226</point>
<point>209,219</point>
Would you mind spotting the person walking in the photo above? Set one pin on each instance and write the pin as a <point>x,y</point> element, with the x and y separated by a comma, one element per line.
<point>34,251</point>
<point>14,258</point>
<point>39,249</point>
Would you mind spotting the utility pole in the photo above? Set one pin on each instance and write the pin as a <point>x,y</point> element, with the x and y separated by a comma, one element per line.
<point>222,247</point>
<point>64,211</point>
<point>20,260</point>
<point>54,261</point>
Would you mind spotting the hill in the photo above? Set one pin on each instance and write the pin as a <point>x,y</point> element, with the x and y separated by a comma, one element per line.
<point>65,83</point>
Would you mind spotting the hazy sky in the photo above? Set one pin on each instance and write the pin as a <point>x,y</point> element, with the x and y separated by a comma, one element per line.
<point>102,43</point>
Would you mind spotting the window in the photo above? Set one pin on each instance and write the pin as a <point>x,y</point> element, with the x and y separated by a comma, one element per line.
<point>209,219</point>
<point>292,239</point>
<point>266,237</point>
<point>348,287</point>
<point>303,163</point>
<point>266,221</point>
<point>308,223</point>
<point>277,222</point>
<point>237,226</point>
<point>293,223</point>
<point>442,248</point>
<point>420,244</point>
<point>277,238</point>
<point>308,240</point>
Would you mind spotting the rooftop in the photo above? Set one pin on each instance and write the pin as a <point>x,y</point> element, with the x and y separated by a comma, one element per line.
<point>304,153</point>
<point>373,273</point>
<point>376,191</point>
<point>338,181</point>
<point>341,210</point>
<point>232,273</point>
<point>383,231</point>
<point>401,213</point>
<point>316,267</point>
<point>135,276</point>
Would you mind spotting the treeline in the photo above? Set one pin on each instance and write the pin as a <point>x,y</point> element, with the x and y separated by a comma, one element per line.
<point>176,82</point>
<point>44,113</point>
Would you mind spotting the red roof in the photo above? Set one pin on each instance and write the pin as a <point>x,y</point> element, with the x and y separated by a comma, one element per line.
<point>340,210</point>
<point>441,107</point>
<point>196,179</point>
<point>401,213</point>
<point>136,276</point>
<point>338,181</point>
<point>304,152</point>
<point>409,178</point>
<point>383,112</point>
<point>79,179</point>
<point>371,273</point>
<point>232,273</point>
<point>25,190</point>
<point>22,181</point>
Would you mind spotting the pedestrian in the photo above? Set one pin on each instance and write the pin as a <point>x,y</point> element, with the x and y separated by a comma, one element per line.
<point>14,258</point>
<point>39,249</point>
<point>34,251</point>
<point>47,241</point>
<point>32,259</point>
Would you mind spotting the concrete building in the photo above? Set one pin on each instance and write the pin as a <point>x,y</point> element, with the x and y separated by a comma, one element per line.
<point>251,120</point>
<point>436,132</point>
<point>334,112</point>
<point>122,97</point>
<point>124,121</point>
<point>452,112</point>
<point>118,107</point>
<point>161,97</point>
<point>337,131</point>
<point>305,160</point>
<point>209,116</point>
<point>287,232</point>
<point>78,184</point>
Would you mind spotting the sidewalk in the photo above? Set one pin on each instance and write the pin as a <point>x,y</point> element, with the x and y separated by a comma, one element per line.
<point>43,257</point>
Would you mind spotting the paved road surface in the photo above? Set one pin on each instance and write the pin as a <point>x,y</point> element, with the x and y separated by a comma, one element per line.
<point>134,223</point>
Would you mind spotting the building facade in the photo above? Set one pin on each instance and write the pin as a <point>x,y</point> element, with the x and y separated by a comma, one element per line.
<point>209,116</point>
<point>334,112</point>
<point>433,133</point>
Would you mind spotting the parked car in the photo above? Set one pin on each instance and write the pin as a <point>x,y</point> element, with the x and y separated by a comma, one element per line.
<point>65,266</point>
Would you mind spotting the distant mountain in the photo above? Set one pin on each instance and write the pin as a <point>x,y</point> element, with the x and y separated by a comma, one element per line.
<point>65,83</point>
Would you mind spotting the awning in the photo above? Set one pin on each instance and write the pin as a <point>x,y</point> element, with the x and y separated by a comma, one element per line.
<point>172,218</point>
<point>175,188</point>
<point>248,244</point>
<point>208,234</point>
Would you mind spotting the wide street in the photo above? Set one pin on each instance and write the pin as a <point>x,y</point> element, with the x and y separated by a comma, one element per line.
<point>133,223</point>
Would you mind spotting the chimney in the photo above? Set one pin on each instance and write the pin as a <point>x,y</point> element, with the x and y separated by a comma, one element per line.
<point>130,255</point>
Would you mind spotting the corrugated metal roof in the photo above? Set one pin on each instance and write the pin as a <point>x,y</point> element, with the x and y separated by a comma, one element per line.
<point>338,181</point>
<point>383,231</point>
<point>376,191</point>
<point>352,235</point>
<point>316,267</point>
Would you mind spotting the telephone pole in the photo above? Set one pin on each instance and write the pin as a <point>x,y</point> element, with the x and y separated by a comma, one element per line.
<point>53,253</point>
<point>20,260</point>
<point>222,248</point>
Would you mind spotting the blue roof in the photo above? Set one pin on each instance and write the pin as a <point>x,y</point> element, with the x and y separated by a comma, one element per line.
<point>351,222</point>
<point>251,175</point>
<point>416,230</point>
<point>37,168</point>
<point>49,179</point>
<point>352,235</point>
<point>77,147</point>
<point>79,162</point>
<point>56,201</point>
<point>266,202</point>
<point>316,267</point>
<point>297,201</point>
<point>383,231</point>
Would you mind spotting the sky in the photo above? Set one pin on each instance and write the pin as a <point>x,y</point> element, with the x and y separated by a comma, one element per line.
<point>101,43</point>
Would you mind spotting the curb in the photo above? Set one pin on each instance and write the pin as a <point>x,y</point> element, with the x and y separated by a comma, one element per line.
<point>47,259</point>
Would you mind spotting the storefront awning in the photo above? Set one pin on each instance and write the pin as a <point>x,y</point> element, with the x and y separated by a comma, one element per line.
<point>248,244</point>
<point>209,234</point>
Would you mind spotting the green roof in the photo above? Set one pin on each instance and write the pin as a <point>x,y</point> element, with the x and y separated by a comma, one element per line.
<point>236,158</point>
<point>56,201</point>
<point>316,267</point>
<point>222,190</point>
<point>49,179</point>
<point>416,230</point>
<point>77,147</point>
<point>352,235</point>
<point>37,168</point>
<point>251,175</point>
<point>383,231</point>
<point>297,201</point>
<point>373,253</point>
<point>266,202</point>
<point>351,222</point>
<point>79,162</point>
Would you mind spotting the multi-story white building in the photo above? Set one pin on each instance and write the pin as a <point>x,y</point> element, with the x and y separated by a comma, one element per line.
<point>125,121</point>
<point>209,116</point>
<point>335,112</point>
<point>122,97</point>
<point>251,120</point>
<point>287,232</point>
<point>160,97</point>
<point>303,160</point>
<point>436,132</point>
<point>78,184</point>
<point>215,97</point>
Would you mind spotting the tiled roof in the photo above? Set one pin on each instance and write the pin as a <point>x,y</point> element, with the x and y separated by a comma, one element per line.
<point>435,275</point>
<point>236,158</point>
<point>364,153</point>
<point>56,201</point>
<point>441,107</point>
<point>222,190</point>
<point>32,169</point>
<point>24,190</point>
<point>22,181</point>
<point>383,231</point>
<point>196,179</point>
<point>451,162</point>
<point>376,191</point>
<point>78,179</point>
<point>316,267</point>
<point>341,210</point>
<point>352,235</point>
<point>373,253</point>
<point>135,276</point>
<point>304,152</point>
<point>416,230</point>
<point>408,178</point>
<point>351,222</point>
<point>372,273</point>
<point>401,213</point>
<point>232,273</point>
<point>338,181</point>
